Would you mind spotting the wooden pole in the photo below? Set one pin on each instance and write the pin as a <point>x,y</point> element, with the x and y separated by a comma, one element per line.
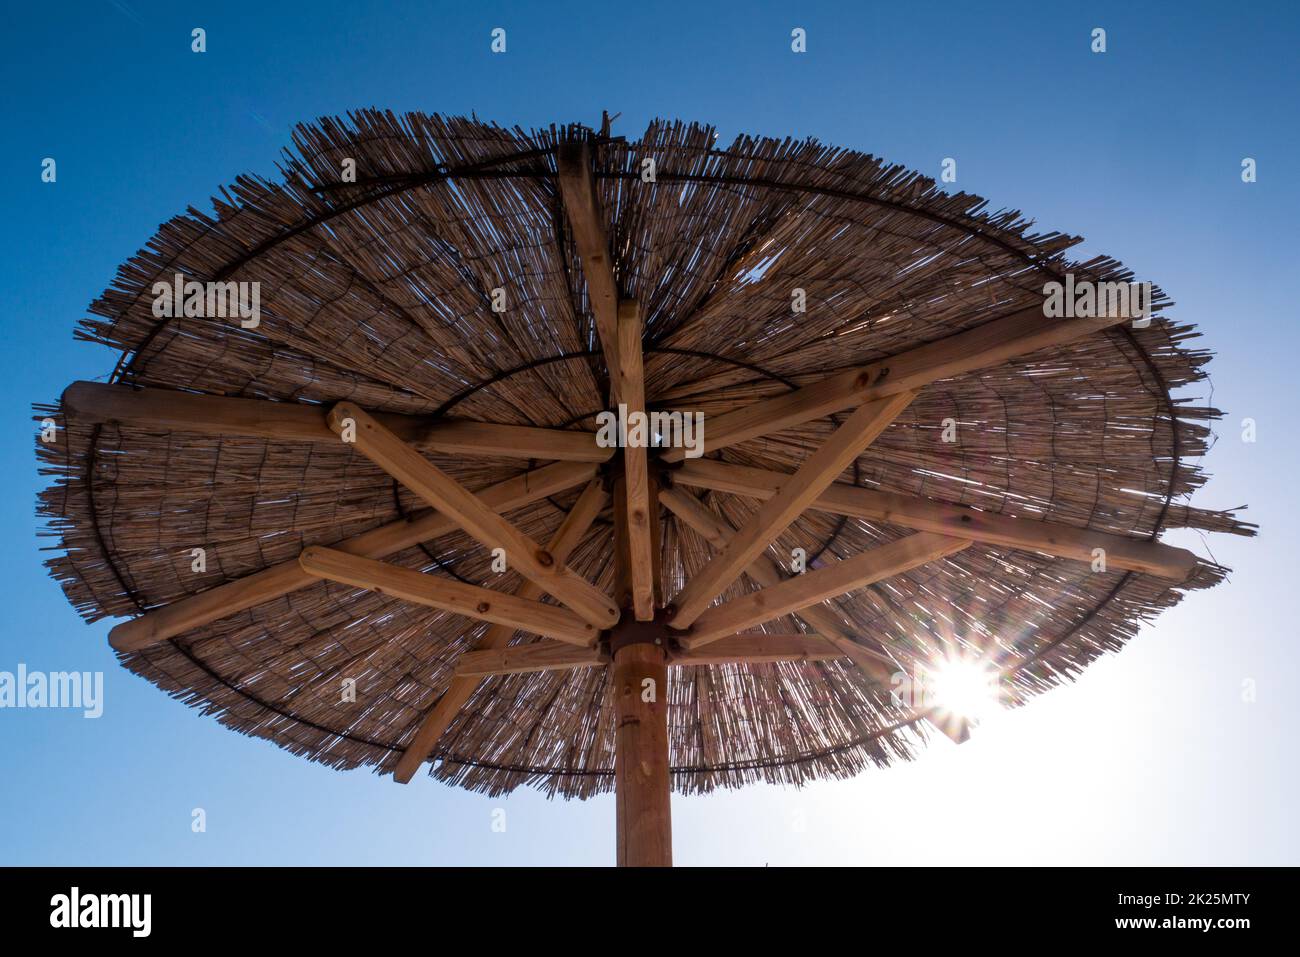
<point>639,669</point>
<point>641,779</point>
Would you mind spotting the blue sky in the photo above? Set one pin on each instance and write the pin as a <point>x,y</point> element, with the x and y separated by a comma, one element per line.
<point>1152,757</point>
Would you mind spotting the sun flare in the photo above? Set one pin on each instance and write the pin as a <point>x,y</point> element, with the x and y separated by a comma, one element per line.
<point>966,688</point>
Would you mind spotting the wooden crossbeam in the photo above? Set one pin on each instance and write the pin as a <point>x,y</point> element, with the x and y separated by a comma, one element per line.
<point>523,659</point>
<point>577,181</point>
<point>279,580</point>
<point>817,471</point>
<point>639,511</point>
<point>448,594</point>
<point>748,649</point>
<point>986,345</point>
<point>757,648</point>
<point>162,410</point>
<point>926,515</point>
<point>461,689</point>
<point>444,493</point>
<point>765,573</point>
<point>812,588</point>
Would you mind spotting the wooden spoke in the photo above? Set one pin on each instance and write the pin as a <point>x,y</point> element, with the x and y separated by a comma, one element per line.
<point>1064,541</point>
<point>765,573</point>
<point>162,410</point>
<point>522,659</point>
<point>573,161</point>
<point>986,345</point>
<point>759,647</point>
<point>444,493</point>
<point>447,594</point>
<point>279,580</point>
<point>818,471</point>
<point>637,503</point>
<point>459,691</point>
<point>812,588</point>
<point>710,527</point>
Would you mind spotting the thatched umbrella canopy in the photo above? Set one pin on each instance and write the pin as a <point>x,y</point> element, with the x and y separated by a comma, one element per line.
<point>372,524</point>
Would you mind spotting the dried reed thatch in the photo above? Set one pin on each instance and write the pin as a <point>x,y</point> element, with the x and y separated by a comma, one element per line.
<point>378,292</point>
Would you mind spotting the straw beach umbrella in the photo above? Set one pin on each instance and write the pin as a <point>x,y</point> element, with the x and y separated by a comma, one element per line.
<point>563,459</point>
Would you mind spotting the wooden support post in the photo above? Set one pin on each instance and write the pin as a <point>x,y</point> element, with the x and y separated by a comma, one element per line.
<point>641,780</point>
<point>639,669</point>
<point>446,594</point>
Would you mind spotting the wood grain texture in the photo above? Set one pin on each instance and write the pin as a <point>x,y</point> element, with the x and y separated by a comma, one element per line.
<point>641,770</point>
<point>525,659</point>
<point>759,648</point>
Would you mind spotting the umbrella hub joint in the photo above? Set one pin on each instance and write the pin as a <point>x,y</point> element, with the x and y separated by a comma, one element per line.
<point>629,631</point>
<point>661,471</point>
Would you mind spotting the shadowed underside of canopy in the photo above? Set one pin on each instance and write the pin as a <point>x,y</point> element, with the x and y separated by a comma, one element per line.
<point>947,459</point>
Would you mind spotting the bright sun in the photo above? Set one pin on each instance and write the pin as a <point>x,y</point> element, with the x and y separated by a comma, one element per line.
<point>965,688</point>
